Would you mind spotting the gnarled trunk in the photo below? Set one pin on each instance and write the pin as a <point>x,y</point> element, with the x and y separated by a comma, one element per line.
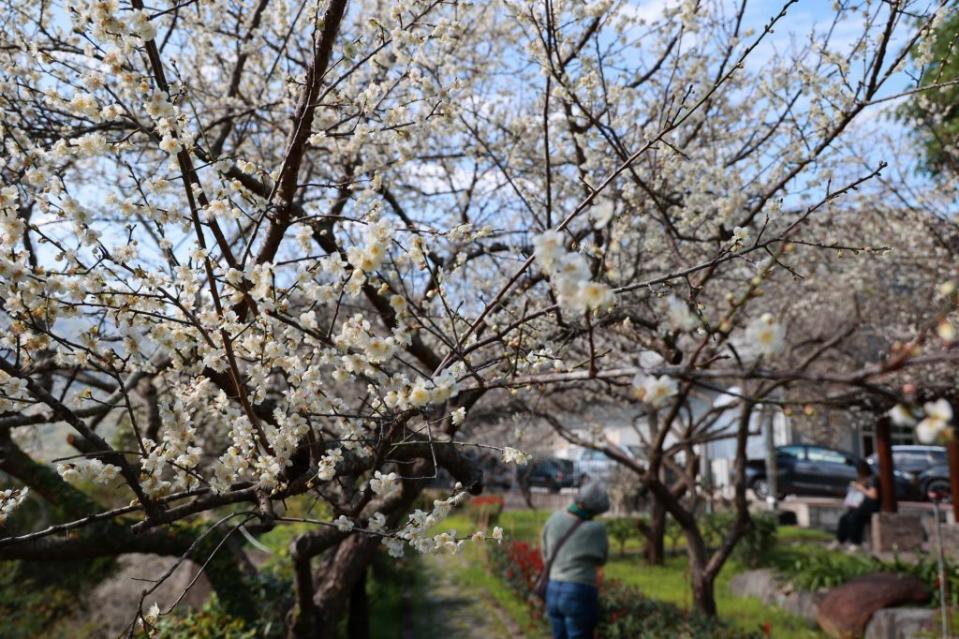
<point>654,550</point>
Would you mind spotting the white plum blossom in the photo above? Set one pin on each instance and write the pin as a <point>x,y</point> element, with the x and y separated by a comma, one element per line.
<point>10,499</point>
<point>343,523</point>
<point>384,484</point>
<point>901,416</point>
<point>740,235</point>
<point>570,275</point>
<point>766,335</point>
<point>377,522</point>
<point>946,331</point>
<point>446,543</point>
<point>92,470</point>
<point>497,535</point>
<point>394,546</point>
<point>548,248</point>
<point>170,144</point>
<point>152,615</point>
<point>327,466</point>
<point>515,456</point>
<point>679,316</point>
<point>938,418</point>
<point>655,391</point>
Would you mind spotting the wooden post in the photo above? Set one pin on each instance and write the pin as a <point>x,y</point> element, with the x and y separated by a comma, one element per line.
<point>887,483</point>
<point>953,449</point>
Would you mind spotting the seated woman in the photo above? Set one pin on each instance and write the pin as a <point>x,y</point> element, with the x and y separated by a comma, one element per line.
<point>853,522</point>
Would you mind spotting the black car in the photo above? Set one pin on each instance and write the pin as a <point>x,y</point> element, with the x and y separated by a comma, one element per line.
<point>935,479</point>
<point>925,466</point>
<point>551,473</point>
<point>913,459</point>
<point>814,470</point>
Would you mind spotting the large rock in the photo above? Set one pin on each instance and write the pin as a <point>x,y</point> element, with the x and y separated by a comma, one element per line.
<point>845,610</point>
<point>111,606</point>
<point>760,583</point>
<point>765,586</point>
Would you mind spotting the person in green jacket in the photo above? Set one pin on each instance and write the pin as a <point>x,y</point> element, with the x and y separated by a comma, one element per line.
<point>572,599</point>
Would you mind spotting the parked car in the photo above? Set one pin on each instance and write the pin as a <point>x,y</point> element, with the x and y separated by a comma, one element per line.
<point>926,467</point>
<point>595,464</point>
<point>805,469</point>
<point>551,473</point>
<point>912,460</point>
<point>936,479</point>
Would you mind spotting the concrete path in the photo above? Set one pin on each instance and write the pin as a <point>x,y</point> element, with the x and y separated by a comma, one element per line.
<point>452,609</point>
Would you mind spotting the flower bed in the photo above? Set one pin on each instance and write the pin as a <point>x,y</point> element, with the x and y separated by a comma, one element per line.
<point>625,613</point>
<point>484,511</point>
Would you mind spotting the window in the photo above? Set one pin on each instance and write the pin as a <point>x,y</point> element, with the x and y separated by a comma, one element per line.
<point>826,455</point>
<point>793,452</point>
<point>593,455</point>
<point>911,460</point>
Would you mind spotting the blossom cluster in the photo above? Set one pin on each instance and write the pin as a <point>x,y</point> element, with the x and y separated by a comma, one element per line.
<point>933,423</point>
<point>89,470</point>
<point>10,498</point>
<point>653,390</point>
<point>570,275</point>
<point>415,532</point>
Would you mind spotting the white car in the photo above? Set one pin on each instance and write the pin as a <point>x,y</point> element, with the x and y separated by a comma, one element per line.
<point>595,464</point>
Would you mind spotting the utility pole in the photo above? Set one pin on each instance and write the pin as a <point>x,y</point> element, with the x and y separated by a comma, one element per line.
<point>772,469</point>
<point>953,449</point>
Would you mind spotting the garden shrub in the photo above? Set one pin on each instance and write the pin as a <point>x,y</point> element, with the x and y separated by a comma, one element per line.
<point>209,622</point>
<point>755,547</point>
<point>484,511</point>
<point>518,564</point>
<point>35,596</point>
<point>622,529</point>
<point>626,614</point>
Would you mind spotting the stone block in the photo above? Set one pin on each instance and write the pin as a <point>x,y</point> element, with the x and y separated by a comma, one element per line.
<point>896,532</point>
<point>903,623</point>
<point>950,539</point>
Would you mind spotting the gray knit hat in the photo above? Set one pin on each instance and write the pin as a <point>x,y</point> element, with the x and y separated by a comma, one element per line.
<point>592,496</point>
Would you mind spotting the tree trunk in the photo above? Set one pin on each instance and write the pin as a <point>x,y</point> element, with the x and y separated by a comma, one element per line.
<point>358,623</point>
<point>655,533</point>
<point>703,580</point>
<point>704,593</point>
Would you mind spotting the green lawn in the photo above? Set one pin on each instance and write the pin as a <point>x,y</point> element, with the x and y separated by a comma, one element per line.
<point>667,583</point>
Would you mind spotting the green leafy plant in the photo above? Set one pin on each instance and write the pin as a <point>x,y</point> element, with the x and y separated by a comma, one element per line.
<point>622,529</point>
<point>810,568</point>
<point>209,622</point>
<point>673,534</point>
<point>754,548</point>
<point>626,614</point>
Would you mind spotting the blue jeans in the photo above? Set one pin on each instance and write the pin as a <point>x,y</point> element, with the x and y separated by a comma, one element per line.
<point>573,609</point>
